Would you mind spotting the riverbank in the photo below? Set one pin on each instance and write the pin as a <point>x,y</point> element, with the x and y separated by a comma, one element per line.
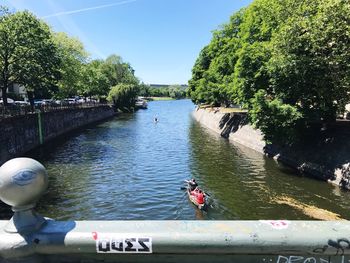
<point>21,134</point>
<point>158,98</point>
<point>327,159</point>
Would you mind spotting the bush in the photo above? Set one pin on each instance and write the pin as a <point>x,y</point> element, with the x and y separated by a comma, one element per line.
<point>274,118</point>
<point>123,96</point>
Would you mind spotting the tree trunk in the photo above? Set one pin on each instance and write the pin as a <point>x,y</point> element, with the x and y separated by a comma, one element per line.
<point>31,99</point>
<point>4,94</point>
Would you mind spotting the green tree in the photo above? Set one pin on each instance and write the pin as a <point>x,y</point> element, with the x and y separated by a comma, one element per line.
<point>94,82</point>
<point>286,61</point>
<point>176,91</point>
<point>197,90</point>
<point>144,90</point>
<point>74,57</point>
<point>118,71</point>
<point>212,74</point>
<point>275,119</point>
<point>310,63</point>
<point>4,10</point>
<point>123,96</point>
<point>28,54</point>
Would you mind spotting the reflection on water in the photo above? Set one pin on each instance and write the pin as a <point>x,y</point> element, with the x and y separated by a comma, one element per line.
<point>247,185</point>
<point>132,168</point>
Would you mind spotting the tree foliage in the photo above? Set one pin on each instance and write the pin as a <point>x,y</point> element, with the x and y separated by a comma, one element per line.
<point>172,91</point>
<point>50,64</point>
<point>94,82</point>
<point>73,56</point>
<point>28,54</point>
<point>285,117</point>
<point>286,61</point>
<point>310,62</point>
<point>123,96</point>
<point>118,71</point>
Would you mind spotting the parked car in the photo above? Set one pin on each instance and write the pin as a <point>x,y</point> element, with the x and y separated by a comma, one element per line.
<point>91,100</point>
<point>38,103</point>
<point>21,103</point>
<point>47,102</point>
<point>9,101</point>
<point>70,101</point>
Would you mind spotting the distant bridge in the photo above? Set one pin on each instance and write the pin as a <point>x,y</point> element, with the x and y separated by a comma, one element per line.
<point>160,86</point>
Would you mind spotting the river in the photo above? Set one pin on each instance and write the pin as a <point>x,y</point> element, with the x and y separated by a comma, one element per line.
<point>132,168</point>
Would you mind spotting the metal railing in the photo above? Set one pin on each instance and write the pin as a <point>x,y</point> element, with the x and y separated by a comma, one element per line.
<point>31,237</point>
<point>18,110</point>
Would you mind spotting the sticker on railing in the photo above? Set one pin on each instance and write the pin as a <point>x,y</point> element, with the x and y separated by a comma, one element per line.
<point>277,224</point>
<point>111,244</point>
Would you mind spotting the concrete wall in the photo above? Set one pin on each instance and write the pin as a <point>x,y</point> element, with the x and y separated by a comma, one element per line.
<point>327,160</point>
<point>238,132</point>
<point>21,134</point>
<point>209,118</point>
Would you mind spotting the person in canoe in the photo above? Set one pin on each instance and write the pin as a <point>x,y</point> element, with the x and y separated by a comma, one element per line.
<point>200,197</point>
<point>196,195</point>
<point>192,184</point>
<point>194,192</point>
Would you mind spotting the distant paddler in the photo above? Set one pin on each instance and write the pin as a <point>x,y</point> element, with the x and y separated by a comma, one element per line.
<point>156,119</point>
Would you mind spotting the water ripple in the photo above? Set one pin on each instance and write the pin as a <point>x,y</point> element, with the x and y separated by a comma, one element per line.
<point>133,168</point>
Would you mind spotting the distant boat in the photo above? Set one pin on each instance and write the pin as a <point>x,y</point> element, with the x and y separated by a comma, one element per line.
<point>156,119</point>
<point>141,104</point>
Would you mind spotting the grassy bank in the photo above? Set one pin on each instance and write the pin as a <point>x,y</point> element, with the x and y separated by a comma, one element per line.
<point>159,98</point>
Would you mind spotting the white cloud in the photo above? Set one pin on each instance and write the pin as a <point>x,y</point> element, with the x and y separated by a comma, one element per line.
<point>72,28</point>
<point>87,9</point>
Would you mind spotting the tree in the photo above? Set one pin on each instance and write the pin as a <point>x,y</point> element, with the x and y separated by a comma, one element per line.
<point>4,10</point>
<point>73,56</point>
<point>310,63</point>
<point>28,55</point>
<point>286,61</point>
<point>118,71</point>
<point>176,91</point>
<point>275,119</point>
<point>144,90</point>
<point>212,74</point>
<point>94,82</point>
<point>123,96</point>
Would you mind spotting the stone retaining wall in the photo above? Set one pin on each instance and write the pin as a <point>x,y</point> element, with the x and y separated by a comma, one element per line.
<point>238,131</point>
<point>22,133</point>
<point>327,161</point>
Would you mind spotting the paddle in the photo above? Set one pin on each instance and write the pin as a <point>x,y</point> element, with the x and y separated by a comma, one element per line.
<point>184,187</point>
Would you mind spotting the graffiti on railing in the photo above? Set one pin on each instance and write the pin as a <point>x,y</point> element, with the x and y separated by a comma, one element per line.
<point>276,224</point>
<point>117,244</point>
<point>301,259</point>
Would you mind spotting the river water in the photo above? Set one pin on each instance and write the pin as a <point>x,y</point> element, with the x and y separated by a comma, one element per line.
<point>132,168</point>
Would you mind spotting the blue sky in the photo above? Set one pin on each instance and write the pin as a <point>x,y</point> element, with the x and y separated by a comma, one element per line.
<point>161,39</point>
